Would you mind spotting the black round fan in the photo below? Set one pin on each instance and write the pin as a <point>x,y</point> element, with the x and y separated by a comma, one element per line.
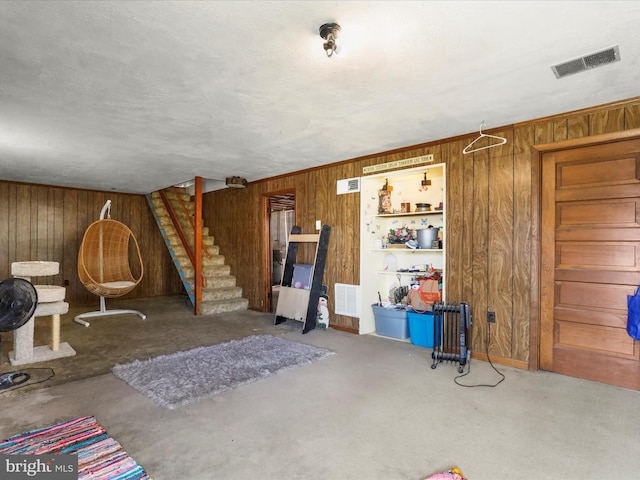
<point>18,302</point>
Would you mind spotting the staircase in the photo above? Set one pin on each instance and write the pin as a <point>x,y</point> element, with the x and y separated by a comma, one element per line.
<point>219,291</point>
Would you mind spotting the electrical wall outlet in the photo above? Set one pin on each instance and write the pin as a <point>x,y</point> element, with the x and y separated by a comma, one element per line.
<point>491,317</point>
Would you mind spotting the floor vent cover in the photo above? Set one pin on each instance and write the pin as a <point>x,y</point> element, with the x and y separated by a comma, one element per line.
<point>347,300</point>
<point>587,62</point>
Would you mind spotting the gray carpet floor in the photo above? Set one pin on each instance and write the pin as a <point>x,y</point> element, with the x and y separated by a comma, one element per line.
<point>374,410</point>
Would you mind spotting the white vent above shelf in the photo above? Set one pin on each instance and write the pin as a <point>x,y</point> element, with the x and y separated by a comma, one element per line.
<point>348,185</point>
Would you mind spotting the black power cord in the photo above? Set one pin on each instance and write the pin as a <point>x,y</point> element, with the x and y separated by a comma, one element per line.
<point>10,379</point>
<point>490,363</point>
<point>16,380</point>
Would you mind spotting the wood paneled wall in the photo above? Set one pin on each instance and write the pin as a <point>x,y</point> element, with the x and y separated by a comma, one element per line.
<point>40,222</point>
<point>489,221</point>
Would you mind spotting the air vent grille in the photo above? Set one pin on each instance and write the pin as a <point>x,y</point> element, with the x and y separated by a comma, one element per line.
<point>347,300</point>
<point>587,62</point>
<point>348,185</point>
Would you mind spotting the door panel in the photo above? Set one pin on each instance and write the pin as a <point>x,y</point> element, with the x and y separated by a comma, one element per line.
<point>597,173</point>
<point>590,258</point>
<point>595,317</point>
<point>619,213</point>
<point>596,255</point>
<point>592,296</point>
<point>608,340</point>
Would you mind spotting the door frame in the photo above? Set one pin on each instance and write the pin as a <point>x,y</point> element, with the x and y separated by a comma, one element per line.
<point>537,151</point>
<point>267,255</point>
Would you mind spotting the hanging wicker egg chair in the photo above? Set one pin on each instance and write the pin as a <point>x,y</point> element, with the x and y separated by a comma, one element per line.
<point>103,261</point>
<point>107,254</point>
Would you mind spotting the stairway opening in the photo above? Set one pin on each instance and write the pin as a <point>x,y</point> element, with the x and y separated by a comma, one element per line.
<point>281,215</point>
<point>174,211</point>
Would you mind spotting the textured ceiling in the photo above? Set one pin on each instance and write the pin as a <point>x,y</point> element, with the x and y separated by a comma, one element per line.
<point>135,96</point>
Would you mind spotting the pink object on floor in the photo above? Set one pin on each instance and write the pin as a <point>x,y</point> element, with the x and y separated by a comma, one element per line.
<point>453,474</point>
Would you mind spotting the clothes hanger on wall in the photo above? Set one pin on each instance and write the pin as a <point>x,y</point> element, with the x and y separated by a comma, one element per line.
<point>468,148</point>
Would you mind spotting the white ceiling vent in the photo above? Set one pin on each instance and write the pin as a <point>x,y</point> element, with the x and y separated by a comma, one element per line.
<point>347,300</point>
<point>349,185</point>
<point>587,62</point>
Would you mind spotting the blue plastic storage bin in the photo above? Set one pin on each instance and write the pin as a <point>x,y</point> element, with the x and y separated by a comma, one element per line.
<point>391,322</point>
<point>421,326</point>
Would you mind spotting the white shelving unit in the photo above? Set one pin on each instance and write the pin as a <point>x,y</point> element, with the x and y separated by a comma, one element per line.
<point>383,268</point>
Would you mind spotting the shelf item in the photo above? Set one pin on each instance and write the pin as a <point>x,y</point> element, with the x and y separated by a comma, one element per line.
<point>410,214</point>
<point>407,250</point>
<point>391,322</point>
<point>396,272</point>
<point>390,263</point>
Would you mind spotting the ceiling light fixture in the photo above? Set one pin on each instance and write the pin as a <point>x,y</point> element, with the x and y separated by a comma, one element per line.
<point>329,32</point>
<point>236,182</point>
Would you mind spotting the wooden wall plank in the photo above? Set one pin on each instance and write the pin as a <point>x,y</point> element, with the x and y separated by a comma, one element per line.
<point>468,234</point>
<point>500,246</point>
<point>5,269</point>
<point>454,247</point>
<point>23,223</point>
<point>606,121</point>
<point>134,206</point>
<point>40,230</point>
<point>49,221</point>
<point>522,233</point>
<point>578,126</point>
<point>560,129</point>
<point>543,132</point>
<point>480,246</point>
<point>71,244</point>
<point>42,223</point>
<point>632,116</point>
<point>11,222</point>
<point>57,220</point>
<point>34,245</point>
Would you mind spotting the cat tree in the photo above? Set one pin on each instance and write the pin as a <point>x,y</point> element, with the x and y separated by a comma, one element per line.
<point>50,303</point>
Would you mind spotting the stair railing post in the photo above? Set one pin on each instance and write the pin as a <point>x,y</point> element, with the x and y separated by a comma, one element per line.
<point>198,244</point>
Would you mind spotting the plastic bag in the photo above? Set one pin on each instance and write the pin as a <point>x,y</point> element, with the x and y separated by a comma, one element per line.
<point>633,317</point>
<point>423,295</point>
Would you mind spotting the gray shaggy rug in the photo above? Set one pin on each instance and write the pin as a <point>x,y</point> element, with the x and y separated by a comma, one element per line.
<point>181,378</point>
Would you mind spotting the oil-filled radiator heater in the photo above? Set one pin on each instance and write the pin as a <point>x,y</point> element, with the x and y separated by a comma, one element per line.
<point>451,329</point>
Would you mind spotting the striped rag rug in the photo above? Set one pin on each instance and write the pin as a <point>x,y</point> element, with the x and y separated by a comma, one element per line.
<point>99,455</point>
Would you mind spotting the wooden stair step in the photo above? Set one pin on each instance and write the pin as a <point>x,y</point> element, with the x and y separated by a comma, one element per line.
<point>172,195</point>
<point>224,306</point>
<point>212,269</point>
<point>214,281</point>
<point>225,293</point>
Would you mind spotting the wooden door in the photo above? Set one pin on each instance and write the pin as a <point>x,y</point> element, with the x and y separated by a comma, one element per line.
<point>590,261</point>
